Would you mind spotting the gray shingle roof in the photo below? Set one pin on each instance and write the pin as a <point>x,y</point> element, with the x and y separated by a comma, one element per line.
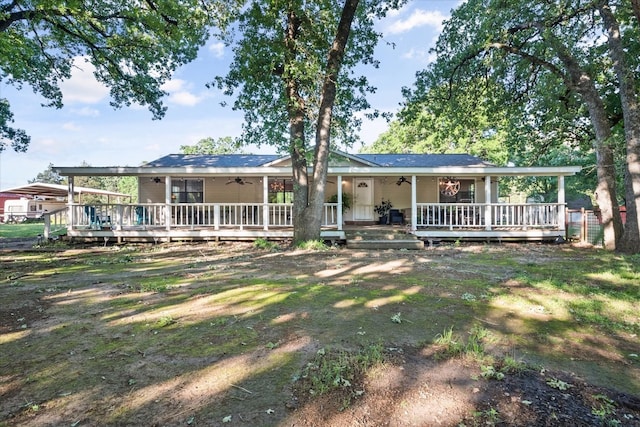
<point>424,160</point>
<point>257,160</point>
<point>212,161</point>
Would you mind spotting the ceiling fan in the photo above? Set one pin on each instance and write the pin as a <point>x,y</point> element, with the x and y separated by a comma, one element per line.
<point>238,180</point>
<point>401,180</point>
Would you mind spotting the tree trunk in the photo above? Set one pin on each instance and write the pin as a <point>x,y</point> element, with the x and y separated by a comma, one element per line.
<point>635,4</point>
<point>605,193</point>
<point>296,113</point>
<point>309,228</point>
<point>300,178</point>
<point>629,100</point>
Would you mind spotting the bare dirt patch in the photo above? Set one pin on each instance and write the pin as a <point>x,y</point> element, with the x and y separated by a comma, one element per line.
<point>217,335</point>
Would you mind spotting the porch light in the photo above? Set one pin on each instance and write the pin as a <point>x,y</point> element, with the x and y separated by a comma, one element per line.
<point>449,186</point>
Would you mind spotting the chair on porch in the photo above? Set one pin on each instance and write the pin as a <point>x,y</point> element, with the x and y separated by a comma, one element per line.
<point>94,219</point>
<point>396,217</point>
<point>142,216</point>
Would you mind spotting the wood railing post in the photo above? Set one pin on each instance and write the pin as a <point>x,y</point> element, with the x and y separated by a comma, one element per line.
<point>47,226</point>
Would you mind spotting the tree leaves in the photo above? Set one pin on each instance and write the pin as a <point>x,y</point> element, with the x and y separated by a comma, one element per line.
<point>264,59</point>
<point>134,47</point>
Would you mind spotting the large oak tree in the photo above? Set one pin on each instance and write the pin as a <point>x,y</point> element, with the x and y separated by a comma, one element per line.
<point>134,45</point>
<point>557,63</point>
<point>293,73</point>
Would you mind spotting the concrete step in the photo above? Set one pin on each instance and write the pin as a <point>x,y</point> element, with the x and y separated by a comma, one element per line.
<point>382,239</point>
<point>411,244</point>
<point>378,234</point>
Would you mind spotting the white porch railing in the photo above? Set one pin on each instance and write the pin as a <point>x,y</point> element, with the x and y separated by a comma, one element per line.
<point>55,222</point>
<point>117,215</point>
<point>489,216</point>
<point>534,215</point>
<point>216,215</point>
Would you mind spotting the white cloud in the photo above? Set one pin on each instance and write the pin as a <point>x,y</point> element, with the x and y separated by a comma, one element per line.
<point>71,126</point>
<point>180,94</point>
<point>217,49</point>
<point>174,85</point>
<point>185,98</point>
<point>47,142</point>
<point>82,87</point>
<point>421,55</point>
<point>418,18</point>
<point>86,112</point>
<point>152,147</point>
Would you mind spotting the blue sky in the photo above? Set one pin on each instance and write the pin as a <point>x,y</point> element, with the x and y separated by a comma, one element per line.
<point>88,130</point>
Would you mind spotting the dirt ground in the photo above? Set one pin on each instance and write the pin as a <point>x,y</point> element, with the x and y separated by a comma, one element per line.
<point>418,390</point>
<point>413,387</point>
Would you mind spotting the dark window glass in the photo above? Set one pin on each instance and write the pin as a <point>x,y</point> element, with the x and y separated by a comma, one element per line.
<point>280,190</point>
<point>187,191</point>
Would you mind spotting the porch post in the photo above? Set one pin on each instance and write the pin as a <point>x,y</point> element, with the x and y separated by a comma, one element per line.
<point>561,204</point>
<point>487,200</point>
<point>265,201</point>
<point>70,209</point>
<point>167,201</point>
<point>339,208</point>
<point>414,209</point>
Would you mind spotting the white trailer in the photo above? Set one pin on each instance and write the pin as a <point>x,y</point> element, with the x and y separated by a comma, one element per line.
<point>24,208</point>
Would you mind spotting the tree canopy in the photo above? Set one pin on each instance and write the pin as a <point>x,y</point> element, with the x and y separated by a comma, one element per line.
<point>558,76</point>
<point>48,176</point>
<point>293,76</point>
<point>433,126</point>
<point>278,43</point>
<point>133,45</point>
<point>223,145</point>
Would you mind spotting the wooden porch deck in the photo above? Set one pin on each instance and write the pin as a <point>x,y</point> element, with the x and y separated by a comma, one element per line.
<point>174,222</point>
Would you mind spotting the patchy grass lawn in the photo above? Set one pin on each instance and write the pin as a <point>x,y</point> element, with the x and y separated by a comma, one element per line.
<point>228,334</point>
<point>30,229</point>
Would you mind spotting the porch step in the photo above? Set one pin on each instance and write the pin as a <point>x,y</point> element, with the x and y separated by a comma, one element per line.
<point>382,238</point>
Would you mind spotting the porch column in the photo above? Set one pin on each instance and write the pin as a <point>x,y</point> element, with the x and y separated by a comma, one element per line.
<point>339,208</point>
<point>561,204</point>
<point>487,200</point>
<point>414,208</point>
<point>265,201</point>
<point>70,209</point>
<point>167,201</point>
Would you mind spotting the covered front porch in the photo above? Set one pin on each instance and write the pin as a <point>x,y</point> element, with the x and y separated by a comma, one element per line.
<point>217,221</point>
<point>230,197</point>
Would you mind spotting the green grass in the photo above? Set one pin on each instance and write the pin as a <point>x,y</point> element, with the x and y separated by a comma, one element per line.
<point>110,325</point>
<point>26,230</point>
<point>340,370</point>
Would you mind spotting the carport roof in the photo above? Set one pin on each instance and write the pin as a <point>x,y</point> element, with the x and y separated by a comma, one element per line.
<point>57,190</point>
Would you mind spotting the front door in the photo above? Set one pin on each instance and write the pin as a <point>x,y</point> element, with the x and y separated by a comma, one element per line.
<point>363,203</point>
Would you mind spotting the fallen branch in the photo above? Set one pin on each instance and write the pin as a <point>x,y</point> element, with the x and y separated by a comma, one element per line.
<point>241,388</point>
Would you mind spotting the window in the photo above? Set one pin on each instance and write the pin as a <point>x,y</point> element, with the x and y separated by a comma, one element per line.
<point>280,190</point>
<point>187,191</point>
